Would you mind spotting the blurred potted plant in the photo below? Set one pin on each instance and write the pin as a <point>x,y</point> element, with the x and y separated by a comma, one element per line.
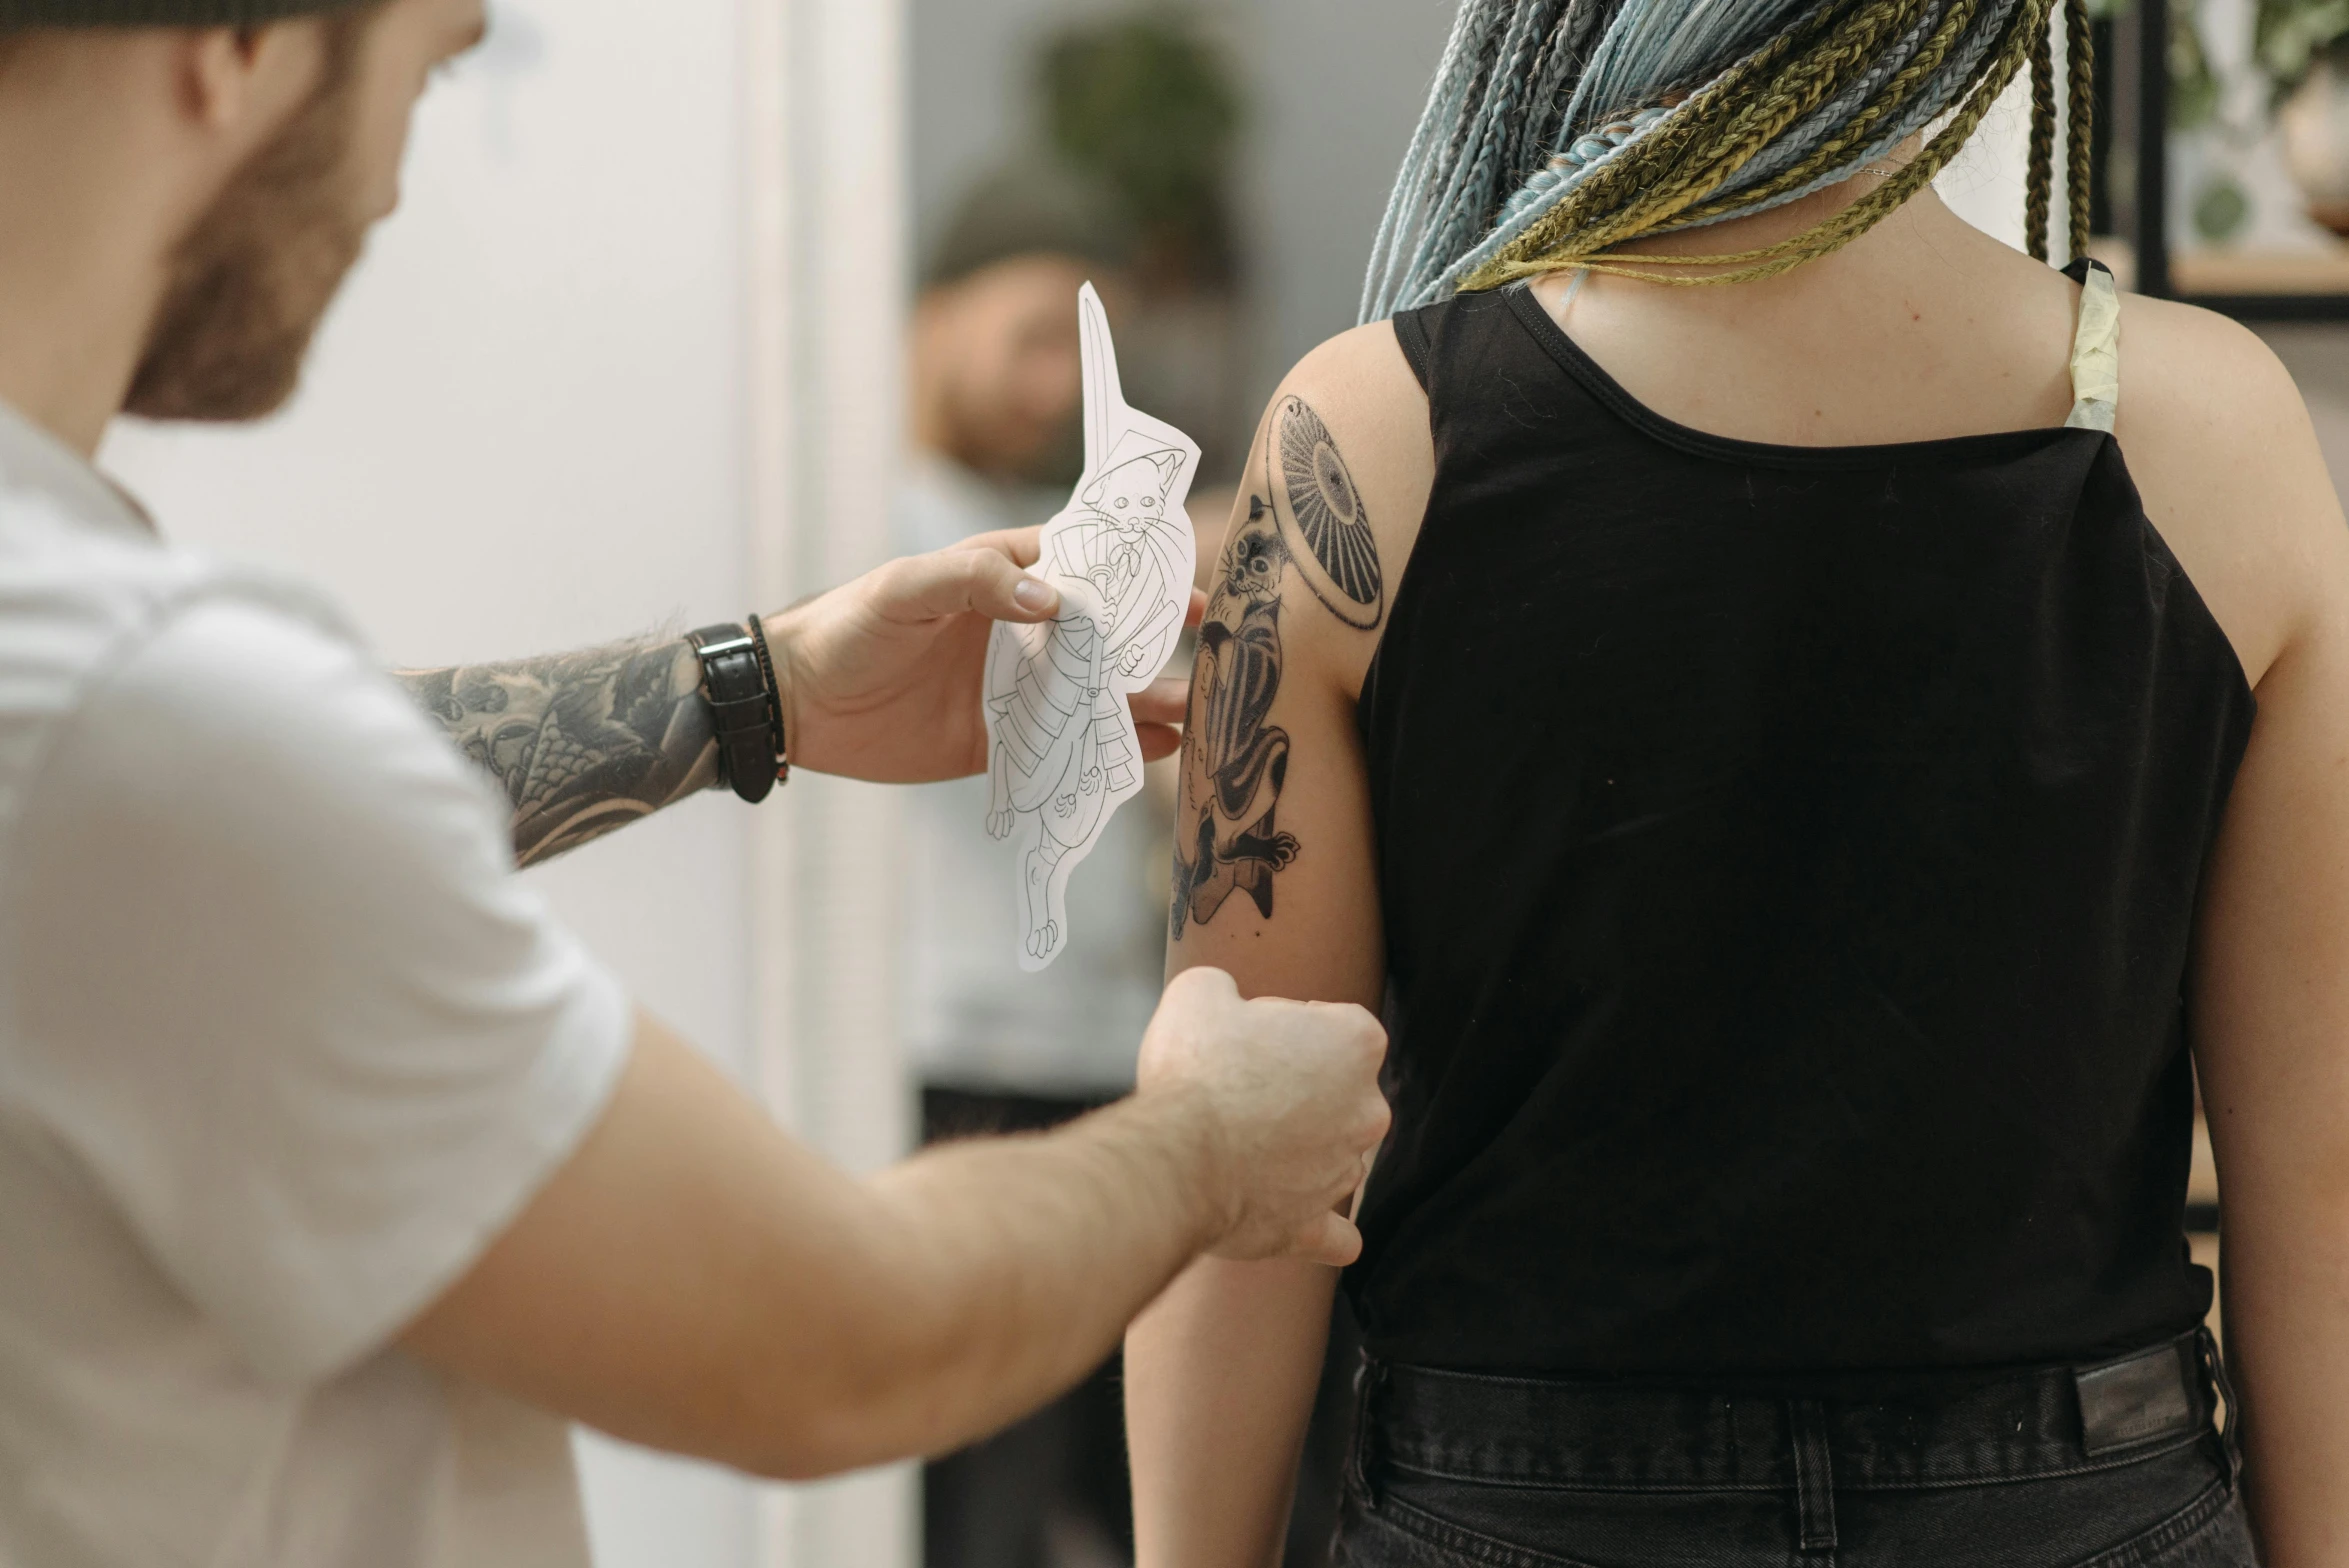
<point>1147,104</point>
<point>2220,208</point>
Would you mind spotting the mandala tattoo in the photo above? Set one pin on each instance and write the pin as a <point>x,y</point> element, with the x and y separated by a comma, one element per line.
<point>1235,763</point>
<point>1324,525</point>
<point>582,743</point>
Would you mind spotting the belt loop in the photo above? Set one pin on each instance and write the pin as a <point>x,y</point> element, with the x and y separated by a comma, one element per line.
<point>1369,1378</point>
<point>1814,1476</point>
<point>2214,1367</point>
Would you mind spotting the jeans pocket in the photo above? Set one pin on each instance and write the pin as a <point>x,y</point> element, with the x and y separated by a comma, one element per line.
<point>2209,1532</point>
<point>1396,1534</point>
<point>1424,1521</point>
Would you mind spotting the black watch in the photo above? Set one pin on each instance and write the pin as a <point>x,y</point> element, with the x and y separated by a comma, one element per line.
<point>736,681</point>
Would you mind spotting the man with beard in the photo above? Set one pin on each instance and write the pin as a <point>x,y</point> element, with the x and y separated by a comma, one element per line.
<point>332,1170</point>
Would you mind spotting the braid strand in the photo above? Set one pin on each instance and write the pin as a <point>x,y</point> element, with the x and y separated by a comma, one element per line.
<point>2038,187</point>
<point>2080,136</point>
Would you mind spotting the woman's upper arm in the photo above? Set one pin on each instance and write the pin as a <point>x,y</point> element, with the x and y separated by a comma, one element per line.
<point>1275,876</point>
<point>2237,485</point>
<point>2271,1021</point>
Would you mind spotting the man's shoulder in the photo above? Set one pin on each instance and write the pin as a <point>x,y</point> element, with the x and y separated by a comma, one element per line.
<point>74,595</point>
<point>77,599</point>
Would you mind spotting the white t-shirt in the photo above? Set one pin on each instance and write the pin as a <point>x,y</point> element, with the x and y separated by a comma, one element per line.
<point>283,1046</point>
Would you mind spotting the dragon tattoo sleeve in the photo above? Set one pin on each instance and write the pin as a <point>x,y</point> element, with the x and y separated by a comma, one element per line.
<point>582,743</point>
<point>1236,761</point>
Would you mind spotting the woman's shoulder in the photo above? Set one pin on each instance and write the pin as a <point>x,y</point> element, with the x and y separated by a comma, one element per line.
<point>1337,482</point>
<point>2227,463</point>
<point>1365,365</point>
<point>2182,360</point>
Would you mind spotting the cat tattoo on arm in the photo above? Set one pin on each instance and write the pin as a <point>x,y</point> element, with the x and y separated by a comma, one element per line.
<point>1227,837</point>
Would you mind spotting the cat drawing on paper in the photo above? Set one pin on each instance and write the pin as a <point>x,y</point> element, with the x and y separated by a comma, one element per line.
<point>1064,754</point>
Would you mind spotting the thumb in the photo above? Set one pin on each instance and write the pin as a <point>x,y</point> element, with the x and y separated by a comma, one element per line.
<point>1331,1238</point>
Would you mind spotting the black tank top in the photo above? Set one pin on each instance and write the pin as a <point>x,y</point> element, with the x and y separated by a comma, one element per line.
<point>1789,860</point>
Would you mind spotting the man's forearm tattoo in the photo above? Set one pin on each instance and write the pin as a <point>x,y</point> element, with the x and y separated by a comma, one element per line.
<point>1235,763</point>
<point>582,743</point>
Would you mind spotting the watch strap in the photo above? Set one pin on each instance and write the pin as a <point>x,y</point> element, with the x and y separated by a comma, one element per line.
<point>735,685</point>
<point>782,738</point>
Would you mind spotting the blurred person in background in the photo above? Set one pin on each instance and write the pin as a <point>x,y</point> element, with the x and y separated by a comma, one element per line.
<point>336,1175</point>
<point>1129,184</point>
<point>993,393</point>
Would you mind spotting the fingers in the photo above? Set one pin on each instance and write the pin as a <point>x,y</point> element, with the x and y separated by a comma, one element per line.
<point>1330,1238</point>
<point>1162,701</point>
<point>1024,545</point>
<point>1198,610</point>
<point>1159,709</point>
<point>964,580</point>
<point>1362,1028</point>
<point>1205,979</point>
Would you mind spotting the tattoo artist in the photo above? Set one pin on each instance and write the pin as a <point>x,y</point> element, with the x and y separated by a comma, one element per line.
<point>335,1175</point>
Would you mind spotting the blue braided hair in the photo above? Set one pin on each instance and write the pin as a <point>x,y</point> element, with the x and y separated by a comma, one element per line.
<point>1534,97</point>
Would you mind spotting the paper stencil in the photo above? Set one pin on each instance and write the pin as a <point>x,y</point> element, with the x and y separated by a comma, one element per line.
<point>1063,751</point>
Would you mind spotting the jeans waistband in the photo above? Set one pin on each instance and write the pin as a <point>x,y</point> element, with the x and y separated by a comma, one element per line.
<point>1889,1432</point>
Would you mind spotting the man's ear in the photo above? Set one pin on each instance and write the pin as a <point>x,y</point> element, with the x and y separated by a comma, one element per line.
<point>241,81</point>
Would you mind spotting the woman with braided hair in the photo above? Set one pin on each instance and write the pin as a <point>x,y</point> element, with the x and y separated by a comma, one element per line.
<point>1814,761</point>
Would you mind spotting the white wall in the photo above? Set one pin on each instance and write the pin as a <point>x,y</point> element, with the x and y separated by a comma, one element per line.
<point>1339,86</point>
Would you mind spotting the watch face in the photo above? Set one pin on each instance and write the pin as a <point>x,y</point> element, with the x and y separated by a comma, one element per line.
<point>739,642</point>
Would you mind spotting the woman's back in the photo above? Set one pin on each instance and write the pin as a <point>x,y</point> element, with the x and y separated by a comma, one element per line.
<point>1853,802</point>
<point>1798,874</point>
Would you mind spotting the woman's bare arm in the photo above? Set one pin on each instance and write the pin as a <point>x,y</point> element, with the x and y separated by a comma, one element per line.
<point>2222,450</point>
<point>2271,1008</point>
<point>1275,880</point>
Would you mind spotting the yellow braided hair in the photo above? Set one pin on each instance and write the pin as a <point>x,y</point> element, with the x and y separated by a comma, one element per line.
<point>1681,172</point>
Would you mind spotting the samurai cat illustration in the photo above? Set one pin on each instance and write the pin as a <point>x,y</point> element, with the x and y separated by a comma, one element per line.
<point>1236,765</point>
<point>1121,553</point>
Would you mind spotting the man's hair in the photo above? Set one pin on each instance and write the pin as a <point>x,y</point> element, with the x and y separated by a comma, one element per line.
<point>1561,129</point>
<point>20,20</point>
<point>16,15</point>
<point>1029,208</point>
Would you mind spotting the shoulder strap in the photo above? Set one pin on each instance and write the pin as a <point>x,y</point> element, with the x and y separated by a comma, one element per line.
<point>1411,333</point>
<point>2096,348</point>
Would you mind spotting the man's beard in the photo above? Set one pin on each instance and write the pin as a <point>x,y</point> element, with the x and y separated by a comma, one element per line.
<point>254,276</point>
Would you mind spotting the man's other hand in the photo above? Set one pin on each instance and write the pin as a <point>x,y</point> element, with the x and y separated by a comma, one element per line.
<point>1293,1099</point>
<point>881,677</point>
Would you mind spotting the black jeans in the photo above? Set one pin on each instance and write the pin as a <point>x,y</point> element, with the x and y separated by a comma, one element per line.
<point>2032,1469</point>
